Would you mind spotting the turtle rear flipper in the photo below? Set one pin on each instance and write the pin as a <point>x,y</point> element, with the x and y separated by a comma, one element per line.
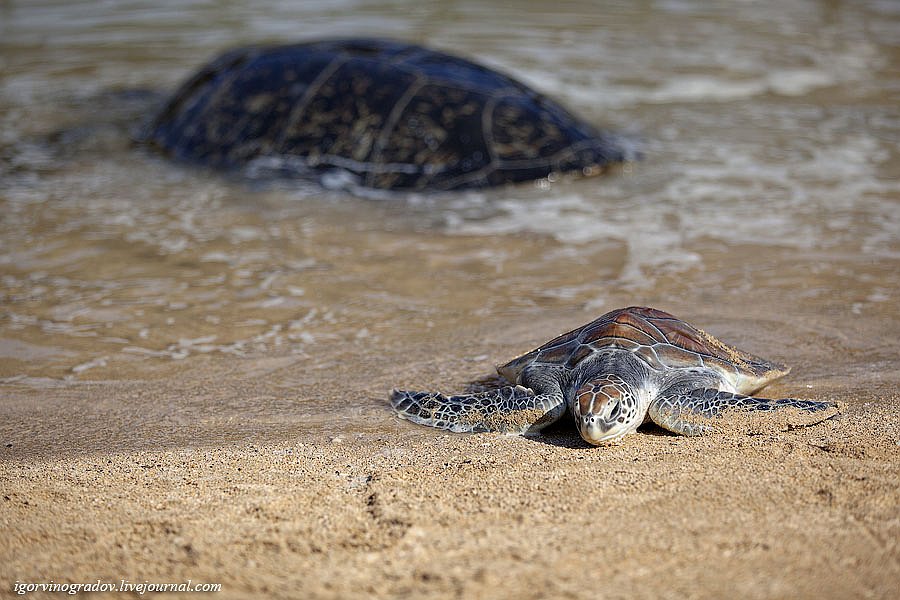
<point>701,411</point>
<point>508,409</point>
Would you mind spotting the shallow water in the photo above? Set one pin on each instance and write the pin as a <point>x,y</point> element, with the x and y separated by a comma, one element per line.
<point>767,208</point>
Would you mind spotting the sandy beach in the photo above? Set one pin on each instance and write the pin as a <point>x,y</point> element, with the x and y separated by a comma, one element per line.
<point>215,479</point>
<point>195,366</point>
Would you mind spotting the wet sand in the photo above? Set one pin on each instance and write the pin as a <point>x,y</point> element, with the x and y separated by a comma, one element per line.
<point>210,473</point>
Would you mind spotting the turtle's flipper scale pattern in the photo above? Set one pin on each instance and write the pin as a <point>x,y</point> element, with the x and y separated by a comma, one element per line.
<point>702,411</point>
<point>507,409</point>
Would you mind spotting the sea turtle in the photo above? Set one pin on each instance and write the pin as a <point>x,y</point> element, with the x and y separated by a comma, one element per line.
<point>390,115</point>
<point>628,367</point>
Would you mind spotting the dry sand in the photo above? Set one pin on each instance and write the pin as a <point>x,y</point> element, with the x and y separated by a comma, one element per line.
<point>208,475</point>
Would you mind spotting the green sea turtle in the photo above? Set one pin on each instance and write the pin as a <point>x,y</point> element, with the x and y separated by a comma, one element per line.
<point>377,113</point>
<point>628,367</point>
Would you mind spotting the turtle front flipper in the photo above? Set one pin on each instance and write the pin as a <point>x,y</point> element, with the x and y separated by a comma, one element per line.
<point>507,409</point>
<point>702,411</point>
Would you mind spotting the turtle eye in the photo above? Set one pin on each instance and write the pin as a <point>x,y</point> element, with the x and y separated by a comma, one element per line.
<point>615,409</point>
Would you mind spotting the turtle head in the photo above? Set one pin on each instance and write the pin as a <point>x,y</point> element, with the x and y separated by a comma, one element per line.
<point>606,409</point>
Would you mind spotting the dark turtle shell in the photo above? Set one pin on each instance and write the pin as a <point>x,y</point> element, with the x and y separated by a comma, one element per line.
<point>394,115</point>
<point>660,339</point>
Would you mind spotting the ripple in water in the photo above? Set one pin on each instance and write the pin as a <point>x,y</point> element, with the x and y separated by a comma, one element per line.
<point>760,137</point>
